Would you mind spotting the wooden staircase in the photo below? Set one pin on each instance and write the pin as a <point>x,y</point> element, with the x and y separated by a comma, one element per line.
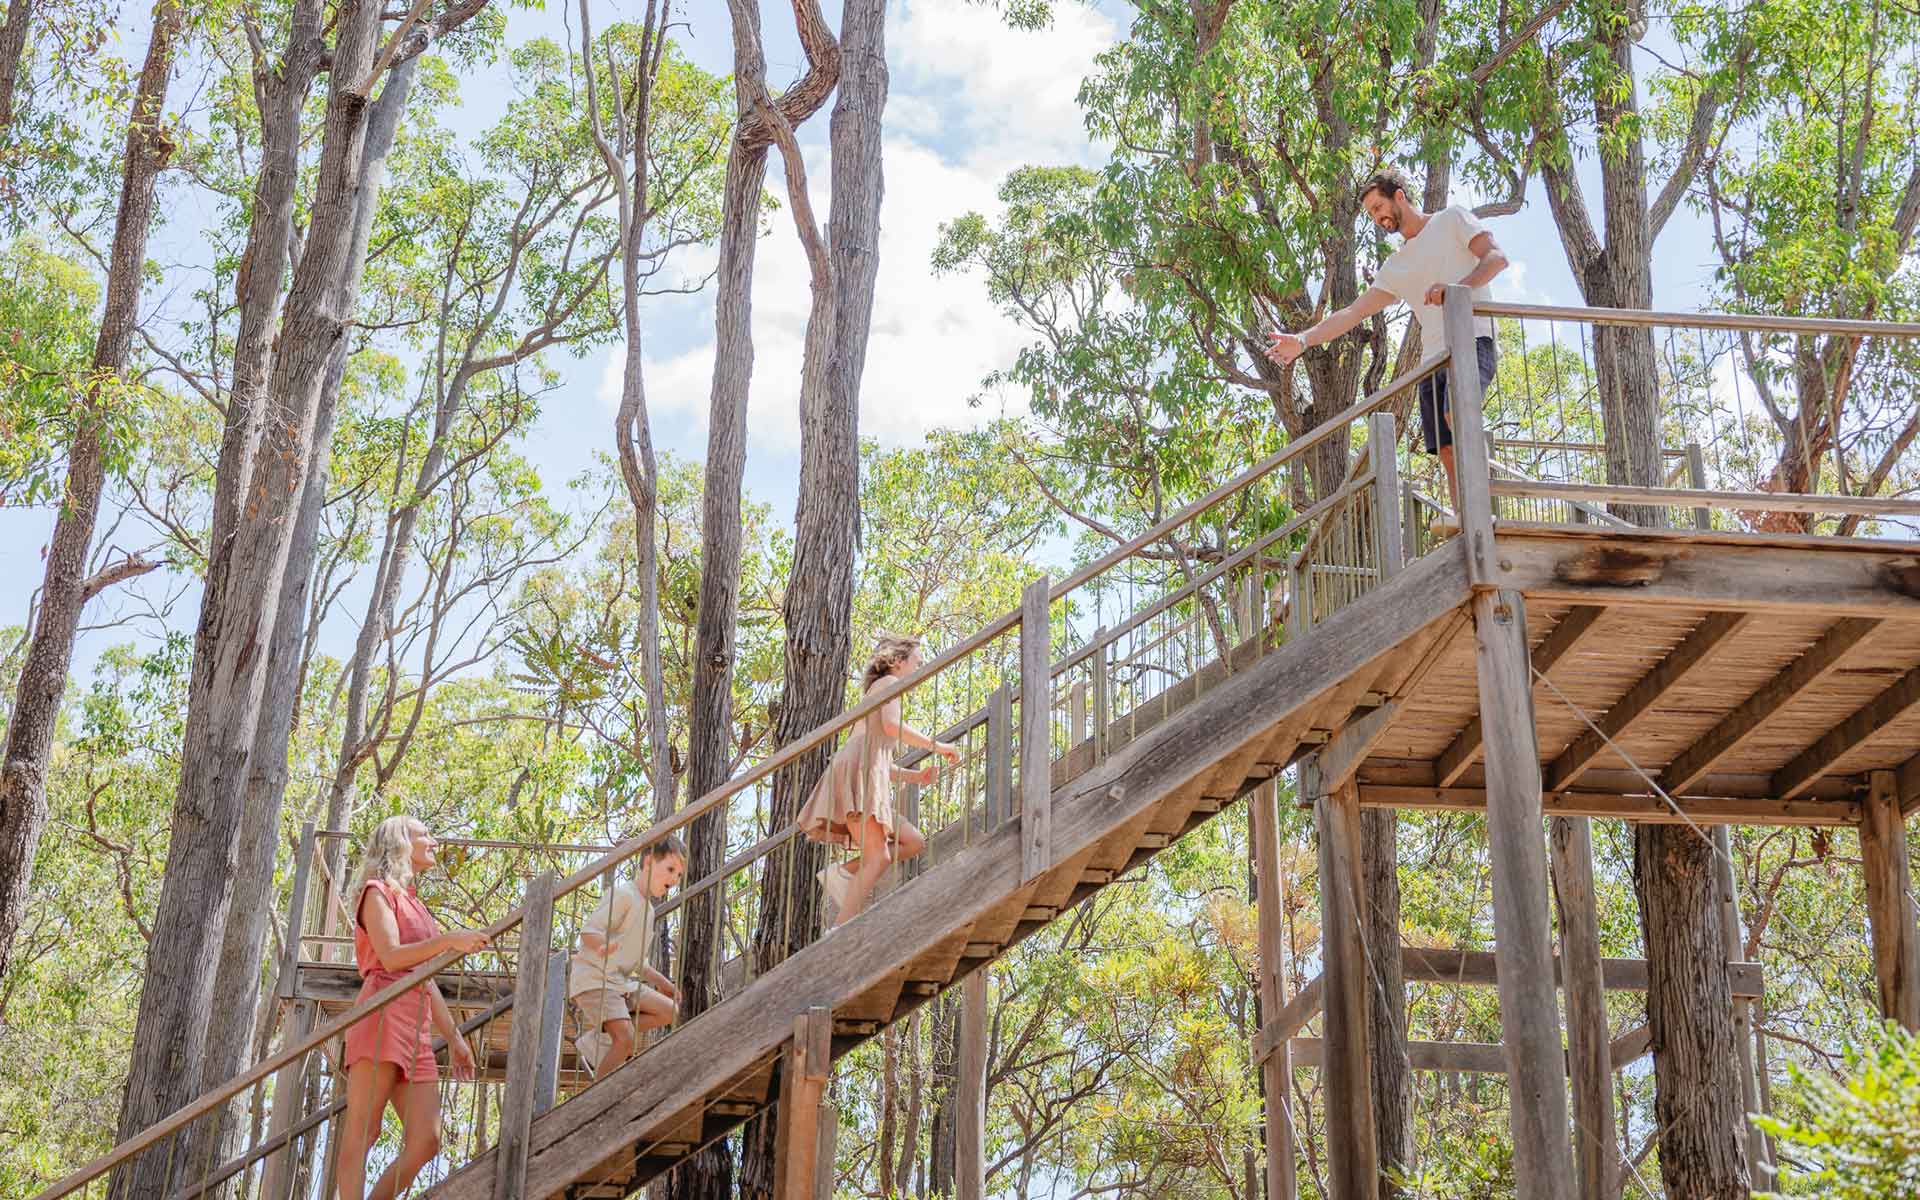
<point>1223,731</point>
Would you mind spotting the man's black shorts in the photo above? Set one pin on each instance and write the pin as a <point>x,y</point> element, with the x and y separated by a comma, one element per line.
<point>1433,396</point>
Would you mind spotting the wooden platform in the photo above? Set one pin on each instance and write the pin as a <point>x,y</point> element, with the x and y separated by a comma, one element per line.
<point>1757,680</point>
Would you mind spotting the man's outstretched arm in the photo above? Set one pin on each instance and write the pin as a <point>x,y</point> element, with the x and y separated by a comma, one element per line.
<point>1288,346</point>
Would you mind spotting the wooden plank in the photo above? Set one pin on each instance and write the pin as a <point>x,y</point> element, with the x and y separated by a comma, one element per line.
<point>999,756</point>
<point>1350,745</point>
<point>1728,895</point>
<point>1389,537</point>
<point>1612,493</point>
<point>1756,710</point>
<point>1036,736</point>
<point>1466,400</point>
<point>1706,810</point>
<point>804,1068</point>
<point>1654,569</point>
<point>1353,1158</point>
<point>1651,319</point>
<point>1694,651</point>
<point>1478,968</point>
<point>1891,914</point>
<point>1630,1045</point>
<point>296,915</point>
<point>289,1087</point>
<point>825,1174</point>
<point>1559,642</point>
<point>1529,1011</point>
<point>1303,1006</point>
<point>546,1077</point>
<point>1816,760</point>
<point>529,1003</point>
<point>1571,841</point>
<point>1478,1058</point>
<point>955,894</point>
<point>1275,1072</point>
<point>970,1111</point>
<point>1907,783</point>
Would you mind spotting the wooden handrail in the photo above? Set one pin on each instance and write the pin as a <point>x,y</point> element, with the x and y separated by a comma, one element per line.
<point>1868,506</point>
<point>1747,322</point>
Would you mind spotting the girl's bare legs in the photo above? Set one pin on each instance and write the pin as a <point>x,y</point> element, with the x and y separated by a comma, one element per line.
<point>620,1039</point>
<point>875,858</point>
<point>419,1108</point>
<point>369,1086</point>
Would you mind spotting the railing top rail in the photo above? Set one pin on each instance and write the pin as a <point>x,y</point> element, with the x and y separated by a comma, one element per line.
<point>818,737</point>
<point>1748,322</point>
<point>343,835</point>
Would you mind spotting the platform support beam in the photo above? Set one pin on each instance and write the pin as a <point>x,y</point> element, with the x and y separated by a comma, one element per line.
<point>1759,1156</point>
<point>1529,1012</point>
<point>1890,907</point>
<point>1353,1166</point>
<point>804,1066</point>
<point>289,1094</point>
<point>1276,1071</point>
<point>1587,1034</point>
<point>970,1135</point>
<point>519,1099</point>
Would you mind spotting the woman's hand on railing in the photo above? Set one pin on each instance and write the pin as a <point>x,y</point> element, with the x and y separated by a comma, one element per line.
<point>461,1056</point>
<point>948,751</point>
<point>924,776</point>
<point>463,941</point>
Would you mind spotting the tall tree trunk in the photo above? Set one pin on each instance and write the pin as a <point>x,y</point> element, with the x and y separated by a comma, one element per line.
<point>13,44</point>
<point>819,602</point>
<point>944,1142</point>
<point>237,984</point>
<point>243,584</point>
<point>49,658</point>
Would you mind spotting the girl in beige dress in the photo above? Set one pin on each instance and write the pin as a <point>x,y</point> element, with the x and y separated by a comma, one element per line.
<point>852,805</point>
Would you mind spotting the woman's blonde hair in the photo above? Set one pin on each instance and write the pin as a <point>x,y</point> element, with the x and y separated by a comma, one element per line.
<point>388,856</point>
<point>889,652</point>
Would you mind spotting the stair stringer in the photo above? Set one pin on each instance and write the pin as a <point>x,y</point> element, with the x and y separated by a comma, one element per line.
<point>637,1103</point>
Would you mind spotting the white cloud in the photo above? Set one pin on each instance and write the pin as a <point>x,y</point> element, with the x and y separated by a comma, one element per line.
<point>970,100</point>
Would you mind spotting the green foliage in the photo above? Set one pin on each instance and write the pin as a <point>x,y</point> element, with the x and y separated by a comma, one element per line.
<point>1855,1136</point>
<point>46,344</point>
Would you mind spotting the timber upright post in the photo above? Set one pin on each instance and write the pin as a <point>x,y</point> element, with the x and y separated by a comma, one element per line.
<point>1277,1071</point>
<point>970,1136</point>
<point>1587,1040</point>
<point>290,1082</point>
<point>1036,734</point>
<point>519,1099</point>
<point>1523,940</point>
<point>1353,1168</point>
<point>1890,905</point>
<point>1389,537</point>
<point>804,1067</point>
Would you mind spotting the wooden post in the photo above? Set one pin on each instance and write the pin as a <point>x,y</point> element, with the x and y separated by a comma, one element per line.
<point>296,915</point>
<point>1758,1154</point>
<point>1036,735</point>
<point>1353,1156</point>
<point>1102,694</point>
<point>517,1099</point>
<point>553,1012</point>
<point>1389,538</point>
<point>1587,1033</point>
<point>289,1088</point>
<point>1890,907</point>
<point>1277,1071</point>
<point>1523,948</point>
<point>1697,479</point>
<point>804,1066</point>
<point>910,809</point>
<point>1471,461</point>
<point>1076,714</point>
<point>999,757</point>
<point>824,1173</point>
<point>970,1105</point>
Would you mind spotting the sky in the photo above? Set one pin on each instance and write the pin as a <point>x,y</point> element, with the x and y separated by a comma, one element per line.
<point>970,100</point>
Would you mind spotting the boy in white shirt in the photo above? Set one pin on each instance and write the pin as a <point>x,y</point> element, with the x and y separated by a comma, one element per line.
<point>610,970</point>
<point>1450,246</point>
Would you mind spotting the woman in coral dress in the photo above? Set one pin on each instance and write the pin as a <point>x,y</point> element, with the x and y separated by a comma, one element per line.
<point>852,805</point>
<point>390,1053</point>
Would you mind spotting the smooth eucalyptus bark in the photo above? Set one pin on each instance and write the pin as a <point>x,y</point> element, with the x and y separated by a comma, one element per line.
<point>64,590</point>
<point>232,643</point>
<point>236,990</point>
<point>13,45</point>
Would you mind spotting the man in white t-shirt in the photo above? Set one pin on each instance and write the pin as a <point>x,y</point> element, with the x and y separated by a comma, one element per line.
<point>1450,246</point>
